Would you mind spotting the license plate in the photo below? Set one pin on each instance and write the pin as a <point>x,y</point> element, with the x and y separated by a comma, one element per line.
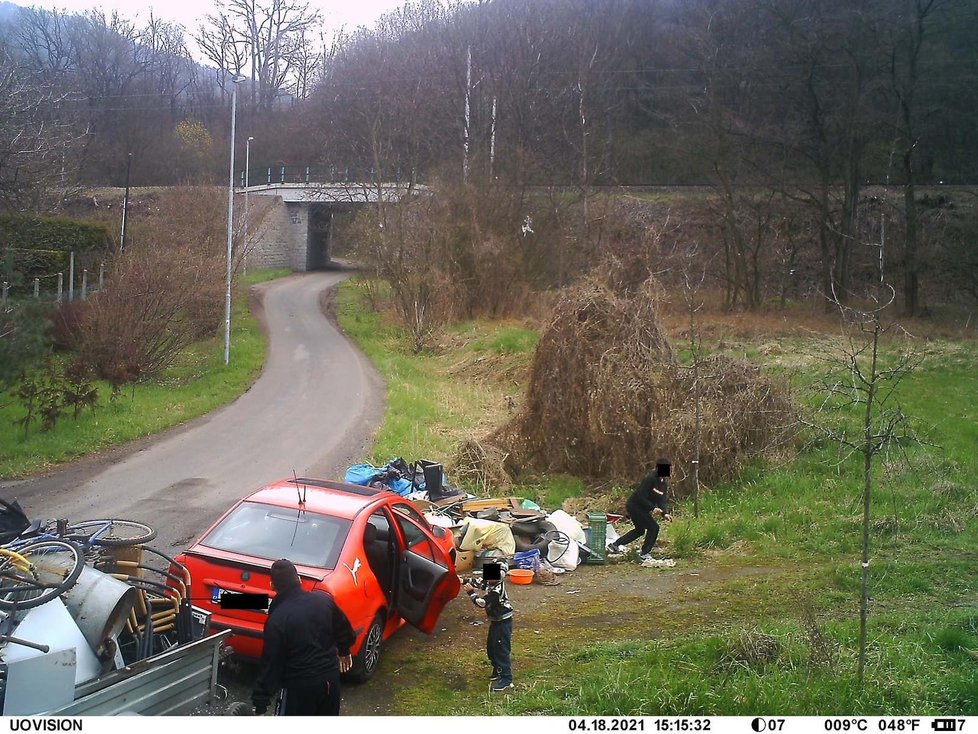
<point>227,599</point>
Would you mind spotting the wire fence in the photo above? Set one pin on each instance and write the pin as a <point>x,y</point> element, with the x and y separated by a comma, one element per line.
<point>82,280</point>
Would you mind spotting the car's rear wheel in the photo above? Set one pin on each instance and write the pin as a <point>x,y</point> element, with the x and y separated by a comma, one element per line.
<point>367,661</point>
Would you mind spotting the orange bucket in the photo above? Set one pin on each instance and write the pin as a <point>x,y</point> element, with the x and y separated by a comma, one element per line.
<point>521,576</point>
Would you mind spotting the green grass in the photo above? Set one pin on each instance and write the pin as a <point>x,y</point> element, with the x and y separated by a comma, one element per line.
<point>198,383</point>
<point>800,520</point>
<point>796,525</point>
<point>507,340</point>
<point>427,411</point>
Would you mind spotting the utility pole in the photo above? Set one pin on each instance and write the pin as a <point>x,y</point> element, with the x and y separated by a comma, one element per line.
<point>465,133</point>
<point>236,80</point>
<point>125,204</point>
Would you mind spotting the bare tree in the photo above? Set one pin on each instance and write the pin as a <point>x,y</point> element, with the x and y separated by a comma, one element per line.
<point>36,148</point>
<point>221,44</point>
<point>46,40</point>
<point>908,47</point>
<point>263,38</point>
<point>860,381</point>
<point>169,64</point>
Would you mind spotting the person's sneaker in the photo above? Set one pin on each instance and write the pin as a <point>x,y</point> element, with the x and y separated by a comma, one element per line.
<point>614,549</point>
<point>501,685</point>
<point>642,557</point>
<point>494,675</point>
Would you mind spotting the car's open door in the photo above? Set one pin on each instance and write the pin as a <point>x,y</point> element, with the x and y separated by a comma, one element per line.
<point>425,587</point>
<point>426,580</point>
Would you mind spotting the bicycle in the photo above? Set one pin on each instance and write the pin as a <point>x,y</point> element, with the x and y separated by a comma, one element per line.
<point>89,534</point>
<point>37,572</point>
<point>25,584</point>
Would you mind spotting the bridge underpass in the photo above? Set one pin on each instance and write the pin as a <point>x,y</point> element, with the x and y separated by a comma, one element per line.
<point>293,224</point>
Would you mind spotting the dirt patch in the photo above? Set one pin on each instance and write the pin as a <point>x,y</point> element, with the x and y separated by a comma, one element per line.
<point>592,603</point>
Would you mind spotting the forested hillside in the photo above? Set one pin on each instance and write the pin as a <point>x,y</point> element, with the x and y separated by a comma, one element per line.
<point>812,122</point>
<point>556,91</point>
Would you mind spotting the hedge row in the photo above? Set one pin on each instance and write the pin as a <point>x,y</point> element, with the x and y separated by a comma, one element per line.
<point>53,233</point>
<point>36,247</point>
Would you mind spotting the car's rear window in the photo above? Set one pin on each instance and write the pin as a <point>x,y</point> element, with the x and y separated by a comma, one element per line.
<point>305,538</point>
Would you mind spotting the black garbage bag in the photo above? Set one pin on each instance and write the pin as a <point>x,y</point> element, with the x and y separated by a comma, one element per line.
<point>13,520</point>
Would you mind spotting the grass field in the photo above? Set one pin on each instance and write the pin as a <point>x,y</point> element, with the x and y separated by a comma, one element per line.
<point>786,644</point>
<point>779,643</point>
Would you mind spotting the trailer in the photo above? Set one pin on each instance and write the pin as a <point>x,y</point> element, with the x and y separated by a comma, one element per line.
<point>43,678</point>
<point>93,621</point>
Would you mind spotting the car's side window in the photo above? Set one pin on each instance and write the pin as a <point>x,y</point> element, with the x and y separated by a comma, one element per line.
<point>414,538</point>
<point>409,511</point>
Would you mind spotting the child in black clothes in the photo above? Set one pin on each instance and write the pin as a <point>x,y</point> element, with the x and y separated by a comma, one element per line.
<point>489,593</point>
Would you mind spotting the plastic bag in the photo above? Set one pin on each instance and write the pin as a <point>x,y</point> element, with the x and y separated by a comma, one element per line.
<point>562,552</point>
<point>13,520</point>
<point>529,559</point>
<point>546,575</point>
<point>567,525</point>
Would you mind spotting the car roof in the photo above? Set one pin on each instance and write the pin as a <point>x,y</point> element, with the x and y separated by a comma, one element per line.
<point>339,499</point>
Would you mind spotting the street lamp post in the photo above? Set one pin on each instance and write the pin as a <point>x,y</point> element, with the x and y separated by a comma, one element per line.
<point>237,79</point>
<point>247,216</point>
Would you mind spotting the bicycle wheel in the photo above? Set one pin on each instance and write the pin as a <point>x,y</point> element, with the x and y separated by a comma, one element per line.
<point>38,572</point>
<point>111,533</point>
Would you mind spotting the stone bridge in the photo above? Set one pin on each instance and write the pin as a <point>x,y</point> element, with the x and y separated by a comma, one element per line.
<point>292,224</point>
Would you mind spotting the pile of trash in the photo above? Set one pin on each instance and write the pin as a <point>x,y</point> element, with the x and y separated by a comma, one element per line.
<point>519,531</point>
<point>78,600</point>
<point>418,480</point>
<point>488,528</point>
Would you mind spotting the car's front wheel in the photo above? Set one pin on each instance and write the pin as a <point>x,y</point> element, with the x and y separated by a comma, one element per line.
<point>368,659</point>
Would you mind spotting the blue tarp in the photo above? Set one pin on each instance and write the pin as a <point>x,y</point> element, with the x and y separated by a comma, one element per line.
<point>363,474</point>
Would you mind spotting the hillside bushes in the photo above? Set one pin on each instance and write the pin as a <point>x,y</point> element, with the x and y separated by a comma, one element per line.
<point>161,295</point>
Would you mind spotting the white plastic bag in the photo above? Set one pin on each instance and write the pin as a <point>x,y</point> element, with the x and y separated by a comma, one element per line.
<point>562,552</point>
<point>567,525</point>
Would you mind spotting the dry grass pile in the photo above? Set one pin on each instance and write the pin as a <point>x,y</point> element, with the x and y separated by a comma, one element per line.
<point>481,466</point>
<point>607,396</point>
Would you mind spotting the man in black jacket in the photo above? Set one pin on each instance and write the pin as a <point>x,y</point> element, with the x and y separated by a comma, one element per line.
<point>645,504</point>
<point>307,646</point>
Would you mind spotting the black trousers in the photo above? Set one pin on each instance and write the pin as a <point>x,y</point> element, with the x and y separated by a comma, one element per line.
<point>644,523</point>
<point>316,699</point>
<point>499,647</point>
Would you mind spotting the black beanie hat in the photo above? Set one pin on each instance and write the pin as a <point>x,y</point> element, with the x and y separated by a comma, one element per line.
<point>284,575</point>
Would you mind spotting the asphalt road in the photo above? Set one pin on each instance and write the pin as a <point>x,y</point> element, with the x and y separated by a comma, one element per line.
<point>313,411</point>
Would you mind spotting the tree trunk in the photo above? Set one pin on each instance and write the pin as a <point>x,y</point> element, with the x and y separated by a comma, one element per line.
<point>869,451</point>
<point>850,221</point>
<point>911,282</point>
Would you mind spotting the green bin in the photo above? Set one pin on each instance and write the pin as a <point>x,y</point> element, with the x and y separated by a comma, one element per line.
<point>597,523</point>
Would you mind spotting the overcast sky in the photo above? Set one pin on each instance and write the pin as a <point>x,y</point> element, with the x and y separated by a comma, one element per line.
<point>336,13</point>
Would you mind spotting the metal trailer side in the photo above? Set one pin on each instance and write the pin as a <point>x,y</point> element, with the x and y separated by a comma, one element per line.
<point>173,682</point>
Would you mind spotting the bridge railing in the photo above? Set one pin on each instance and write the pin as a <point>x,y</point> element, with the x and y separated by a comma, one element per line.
<point>303,175</point>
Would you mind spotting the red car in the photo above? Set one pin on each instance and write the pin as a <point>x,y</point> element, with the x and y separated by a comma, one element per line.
<point>370,548</point>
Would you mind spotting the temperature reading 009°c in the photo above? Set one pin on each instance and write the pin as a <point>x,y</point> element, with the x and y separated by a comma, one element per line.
<point>844,725</point>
